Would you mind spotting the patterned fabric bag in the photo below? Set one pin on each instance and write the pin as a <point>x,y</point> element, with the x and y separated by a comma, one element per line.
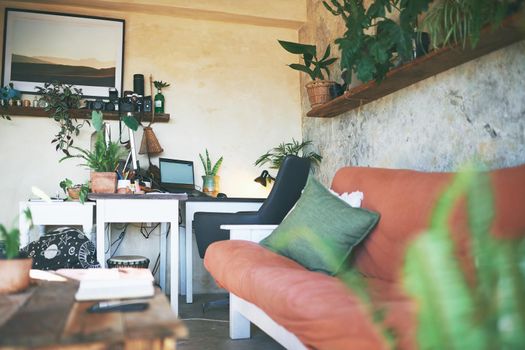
<point>62,248</point>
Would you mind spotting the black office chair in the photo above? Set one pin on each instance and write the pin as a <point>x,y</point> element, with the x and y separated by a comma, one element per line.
<point>286,190</point>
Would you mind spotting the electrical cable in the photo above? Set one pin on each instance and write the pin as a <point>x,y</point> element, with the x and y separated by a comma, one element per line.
<point>156,265</point>
<point>118,241</point>
<point>144,231</point>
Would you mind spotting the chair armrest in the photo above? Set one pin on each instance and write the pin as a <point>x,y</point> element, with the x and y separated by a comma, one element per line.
<point>252,233</point>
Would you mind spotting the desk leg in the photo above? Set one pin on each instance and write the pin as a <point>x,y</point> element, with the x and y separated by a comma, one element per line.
<point>174,268</point>
<point>182,260</point>
<point>189,256</point>
<point>101,225</point>
<point>162,273</point>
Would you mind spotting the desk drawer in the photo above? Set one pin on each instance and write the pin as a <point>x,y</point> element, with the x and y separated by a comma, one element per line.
<point>138,210</point>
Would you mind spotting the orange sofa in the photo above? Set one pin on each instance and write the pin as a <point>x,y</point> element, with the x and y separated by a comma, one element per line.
<point>319,310</point>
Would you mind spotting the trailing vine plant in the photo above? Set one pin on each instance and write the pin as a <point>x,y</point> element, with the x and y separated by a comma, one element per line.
<point>61,99</point>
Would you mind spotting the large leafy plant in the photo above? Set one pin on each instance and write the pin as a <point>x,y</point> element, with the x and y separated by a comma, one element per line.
<point>372,38</point>
<point>105,154</point>
<point>461,21</point>
<point>313,66</point>
<point>276,155</point>
<point>61,99</point>
<point>455,314</point>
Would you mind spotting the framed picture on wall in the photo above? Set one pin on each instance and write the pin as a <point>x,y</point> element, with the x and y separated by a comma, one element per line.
<point>40,47</point>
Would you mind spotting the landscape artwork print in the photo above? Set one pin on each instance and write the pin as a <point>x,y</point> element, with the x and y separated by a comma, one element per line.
<point>41,47</point>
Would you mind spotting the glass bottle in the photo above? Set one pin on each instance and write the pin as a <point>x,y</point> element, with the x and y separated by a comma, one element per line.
<point>159,102</point>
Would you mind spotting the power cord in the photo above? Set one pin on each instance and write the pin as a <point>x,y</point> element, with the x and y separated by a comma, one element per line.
<point>117,241</point>
<point>144,231</point>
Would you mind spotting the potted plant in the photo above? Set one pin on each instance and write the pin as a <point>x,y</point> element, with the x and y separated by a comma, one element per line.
<point>276,155</point>
<point>14,269</point>
<point>74,192</point>
<point>373,41</point>
<point>102,160</point>
<point>460,21</point>
<point>60,100</point>
<point>318,89</point>
<point>210,181</point>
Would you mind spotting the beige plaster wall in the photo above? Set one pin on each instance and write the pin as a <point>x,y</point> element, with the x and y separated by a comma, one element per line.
<point>473,111</point>
<point>231,92</point>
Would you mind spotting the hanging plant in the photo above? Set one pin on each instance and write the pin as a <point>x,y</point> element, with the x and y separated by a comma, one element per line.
<point>61,99</point>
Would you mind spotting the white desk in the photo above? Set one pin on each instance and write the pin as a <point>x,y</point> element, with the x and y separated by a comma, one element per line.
<point>163,208</point>
<point>55,213</point>
<point>206,204</point>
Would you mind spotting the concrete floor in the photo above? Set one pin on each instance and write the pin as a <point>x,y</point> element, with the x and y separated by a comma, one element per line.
<point>211,329</point>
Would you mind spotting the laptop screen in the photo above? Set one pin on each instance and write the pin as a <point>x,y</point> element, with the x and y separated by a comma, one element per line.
<point>174,172</point>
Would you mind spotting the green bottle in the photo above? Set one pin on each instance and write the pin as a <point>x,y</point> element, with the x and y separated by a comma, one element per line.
<point>159,102</point>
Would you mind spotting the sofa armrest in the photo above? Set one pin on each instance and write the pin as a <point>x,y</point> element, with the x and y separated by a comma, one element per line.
<point>252,233</point>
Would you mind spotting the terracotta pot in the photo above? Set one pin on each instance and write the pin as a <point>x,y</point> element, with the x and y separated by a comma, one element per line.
<point>103,182</point>
<point>14,275</point>
<point>73,192</point>
<point>319,92</point>
<point>210,185</point>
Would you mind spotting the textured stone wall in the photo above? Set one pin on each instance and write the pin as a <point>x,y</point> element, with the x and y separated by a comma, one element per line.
<point>474,110</point>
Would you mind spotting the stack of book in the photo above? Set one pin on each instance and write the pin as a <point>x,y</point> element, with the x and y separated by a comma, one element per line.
<point>106,284</point>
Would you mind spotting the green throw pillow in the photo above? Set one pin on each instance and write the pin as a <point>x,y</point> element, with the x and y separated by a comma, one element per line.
<point>321,231</point>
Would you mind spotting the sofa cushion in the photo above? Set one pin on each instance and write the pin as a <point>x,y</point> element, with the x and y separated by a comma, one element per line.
<point>321,230</point>
<point>320,310</point>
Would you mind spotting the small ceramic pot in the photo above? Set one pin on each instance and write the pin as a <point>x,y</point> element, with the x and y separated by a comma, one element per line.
<point>14,275</point>
<point>124,187</point>
<point>73,192</point>
<point>210,185</point>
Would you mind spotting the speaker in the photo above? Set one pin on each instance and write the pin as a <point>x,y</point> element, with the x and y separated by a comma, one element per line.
<point>138,84</point>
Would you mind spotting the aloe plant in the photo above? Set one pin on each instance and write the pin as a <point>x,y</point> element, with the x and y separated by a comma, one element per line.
<point>208,169</point>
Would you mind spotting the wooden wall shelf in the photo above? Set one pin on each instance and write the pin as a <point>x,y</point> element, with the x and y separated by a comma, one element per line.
<point>419,69</point>
<point>75,113</point>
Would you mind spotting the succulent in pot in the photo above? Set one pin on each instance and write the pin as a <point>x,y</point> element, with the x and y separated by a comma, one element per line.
<point>14,267</point>
<point>210,180</point>
<point>318,89</point>
<point>102,160</point>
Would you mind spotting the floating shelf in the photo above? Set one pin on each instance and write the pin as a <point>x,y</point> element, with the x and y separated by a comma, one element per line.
<point>419,69</point>
<point>75,113</point>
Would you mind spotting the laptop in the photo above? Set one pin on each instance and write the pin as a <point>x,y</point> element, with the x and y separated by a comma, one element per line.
<point>176,176</point>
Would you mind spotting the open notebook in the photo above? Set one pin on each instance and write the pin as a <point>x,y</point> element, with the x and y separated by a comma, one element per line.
<point>105,284</point>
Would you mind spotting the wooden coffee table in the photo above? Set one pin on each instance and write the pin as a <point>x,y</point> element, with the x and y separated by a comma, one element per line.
<point>46,316</point>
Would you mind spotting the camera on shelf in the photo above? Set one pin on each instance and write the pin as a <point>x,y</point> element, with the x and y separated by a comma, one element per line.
<point>102,105</point>
<point>135,103</point>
